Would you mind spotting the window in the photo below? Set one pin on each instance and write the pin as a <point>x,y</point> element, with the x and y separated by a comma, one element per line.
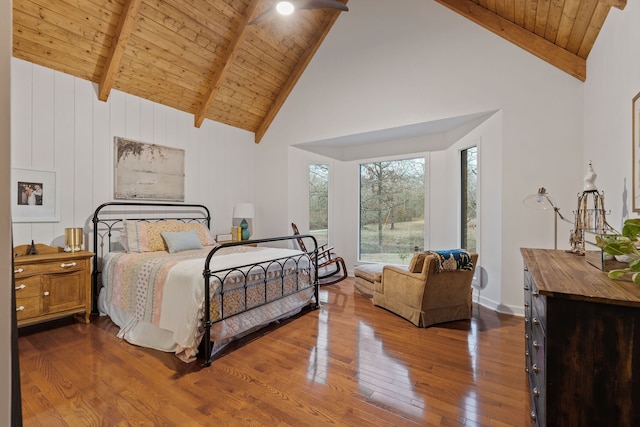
<point>391,210</point>
<point>319,203</point>
<point>469,186</point>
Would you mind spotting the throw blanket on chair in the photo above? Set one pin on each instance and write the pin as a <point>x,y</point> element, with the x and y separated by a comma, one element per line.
<point>452,260</point>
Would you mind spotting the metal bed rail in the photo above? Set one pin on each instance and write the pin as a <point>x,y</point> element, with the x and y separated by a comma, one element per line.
<point>264,267</point>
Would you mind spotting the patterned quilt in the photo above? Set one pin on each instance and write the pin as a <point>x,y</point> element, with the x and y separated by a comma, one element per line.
<point>167,290</point>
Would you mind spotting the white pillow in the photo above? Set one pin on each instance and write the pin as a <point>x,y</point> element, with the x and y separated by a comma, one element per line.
<point>178,241</point>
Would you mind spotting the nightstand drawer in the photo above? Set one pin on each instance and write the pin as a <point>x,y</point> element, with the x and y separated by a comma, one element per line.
<point>28,287</point>
<point>48,267</point>
<point>27,308</point>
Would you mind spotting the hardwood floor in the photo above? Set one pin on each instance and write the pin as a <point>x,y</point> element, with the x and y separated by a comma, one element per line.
<point>348,363</point>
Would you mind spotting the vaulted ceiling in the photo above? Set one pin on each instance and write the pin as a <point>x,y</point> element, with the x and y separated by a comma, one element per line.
<point>205,57</point>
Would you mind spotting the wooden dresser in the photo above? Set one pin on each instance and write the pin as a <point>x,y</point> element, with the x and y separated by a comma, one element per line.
<point>581,351</point>
<point>51,284</point>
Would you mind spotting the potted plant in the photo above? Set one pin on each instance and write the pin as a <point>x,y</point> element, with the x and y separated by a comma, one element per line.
<point>624,244</point>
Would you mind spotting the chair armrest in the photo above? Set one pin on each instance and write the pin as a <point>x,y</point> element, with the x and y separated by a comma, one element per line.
<point>402,286</point>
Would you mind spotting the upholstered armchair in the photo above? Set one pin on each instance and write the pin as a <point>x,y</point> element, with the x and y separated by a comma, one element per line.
<point>423,296</point>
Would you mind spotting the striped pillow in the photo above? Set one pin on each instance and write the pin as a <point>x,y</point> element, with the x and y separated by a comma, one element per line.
<point>144,236</point>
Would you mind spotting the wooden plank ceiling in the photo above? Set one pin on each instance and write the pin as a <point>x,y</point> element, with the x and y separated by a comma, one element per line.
<point>202,56</point>
<point>561,32</point>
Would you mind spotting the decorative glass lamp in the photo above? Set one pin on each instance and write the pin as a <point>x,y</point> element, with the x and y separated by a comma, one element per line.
<point>244,211</point>
<point>73,239</point>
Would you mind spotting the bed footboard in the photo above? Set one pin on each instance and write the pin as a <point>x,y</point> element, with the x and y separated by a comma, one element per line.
<point>268,281</point>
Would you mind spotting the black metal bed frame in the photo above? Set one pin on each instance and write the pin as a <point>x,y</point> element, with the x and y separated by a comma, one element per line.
<point>198,213</point>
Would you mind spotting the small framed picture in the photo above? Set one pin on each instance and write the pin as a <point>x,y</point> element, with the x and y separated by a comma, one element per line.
<point>635,132</point>
<point>35,195</point>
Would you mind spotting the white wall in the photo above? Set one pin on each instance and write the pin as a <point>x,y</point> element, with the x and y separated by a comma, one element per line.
<point>59,124</point>
<point>387,64</point>
<point>613,79</point>
<point>5,215</point>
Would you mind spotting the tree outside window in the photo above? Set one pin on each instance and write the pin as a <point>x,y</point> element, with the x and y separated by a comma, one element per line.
<point>391,210</point>
<point>319,203</point>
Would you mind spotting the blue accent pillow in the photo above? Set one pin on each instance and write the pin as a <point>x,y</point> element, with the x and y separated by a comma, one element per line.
<point>178,241</point>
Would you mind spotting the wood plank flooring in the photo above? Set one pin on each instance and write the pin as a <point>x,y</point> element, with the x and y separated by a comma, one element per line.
<point>347,364</point>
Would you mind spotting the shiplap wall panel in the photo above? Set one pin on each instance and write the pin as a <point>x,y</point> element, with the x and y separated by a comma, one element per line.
<point>42,127</point>
<point>118,127</point>
<point>85,96</point>
<point>102,153</point>
<point>63,141</point>
<point>21,100</point>
<point>58,123</point>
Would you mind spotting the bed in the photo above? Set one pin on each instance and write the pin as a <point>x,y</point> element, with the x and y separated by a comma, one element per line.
<point>162,279</point>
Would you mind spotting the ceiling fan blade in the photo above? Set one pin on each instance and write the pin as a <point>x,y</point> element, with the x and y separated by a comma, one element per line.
<point>302,4</point>
<point>320,4</point>
<point>263,16</point>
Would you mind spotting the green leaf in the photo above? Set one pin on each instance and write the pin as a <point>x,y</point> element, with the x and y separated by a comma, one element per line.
<point>631,228</point>
<point>636,278</point>
<point>615,274</point>
<point>635,265</point>
<point>620,246</point>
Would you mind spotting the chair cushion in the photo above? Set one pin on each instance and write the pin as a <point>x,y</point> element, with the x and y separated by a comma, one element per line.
<point>369,272</point>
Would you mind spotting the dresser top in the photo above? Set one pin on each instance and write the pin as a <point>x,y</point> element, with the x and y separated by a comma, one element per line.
<point>566,275</point>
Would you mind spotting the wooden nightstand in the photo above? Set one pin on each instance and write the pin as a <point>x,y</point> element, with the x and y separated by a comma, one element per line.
<point>51,284</point>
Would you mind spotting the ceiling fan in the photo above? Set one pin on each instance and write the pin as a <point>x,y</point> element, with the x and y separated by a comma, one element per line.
<point>288,7</point>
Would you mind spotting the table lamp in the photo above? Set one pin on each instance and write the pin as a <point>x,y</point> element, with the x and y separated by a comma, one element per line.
<point>244,211</point>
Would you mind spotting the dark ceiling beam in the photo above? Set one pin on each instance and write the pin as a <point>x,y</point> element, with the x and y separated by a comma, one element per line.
<point>220,72</point>
<point>529,41</point>
<point>119,43</point>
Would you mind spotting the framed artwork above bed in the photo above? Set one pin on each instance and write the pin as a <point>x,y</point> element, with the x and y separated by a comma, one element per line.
<point>148,171</point>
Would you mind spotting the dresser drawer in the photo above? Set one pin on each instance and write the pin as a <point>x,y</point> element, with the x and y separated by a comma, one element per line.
<point>28,287</point>
<point>538,311</point>
<point>29,307</point>
<point>48,267</point>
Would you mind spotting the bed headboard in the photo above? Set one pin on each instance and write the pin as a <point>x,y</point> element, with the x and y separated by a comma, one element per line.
<point>108,222</point>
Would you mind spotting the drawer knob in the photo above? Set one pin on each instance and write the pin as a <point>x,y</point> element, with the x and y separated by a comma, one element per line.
<point>20,308</point>
<point>21,287</point>
<point>46,293</point>
<point>535,344</point>
<point>536,321</point>
<point>535,293</point>
<point>71,264</point>
<point>535,368</point>
<point>526,268</point>
<point>533,416</point>
<point>536,392</point>
<point>20,270</point>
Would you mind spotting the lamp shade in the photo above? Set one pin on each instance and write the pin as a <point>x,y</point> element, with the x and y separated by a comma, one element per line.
<point>244,210</point>
<point>540,200</point>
